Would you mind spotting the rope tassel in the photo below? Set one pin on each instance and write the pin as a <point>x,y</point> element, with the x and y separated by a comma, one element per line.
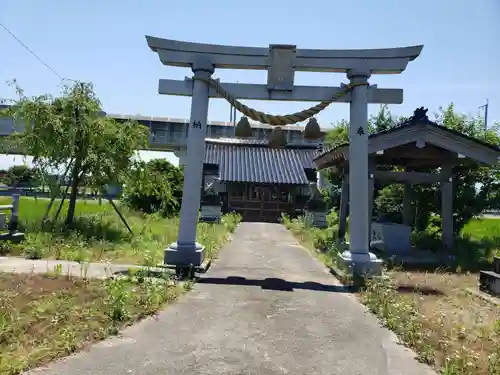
<point>276,120</point>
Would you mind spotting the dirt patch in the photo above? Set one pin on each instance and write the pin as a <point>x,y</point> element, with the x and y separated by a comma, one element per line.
<point>43,317</point>
<point>459,324</point>
<point>24,289</point>
<point>46,317</point>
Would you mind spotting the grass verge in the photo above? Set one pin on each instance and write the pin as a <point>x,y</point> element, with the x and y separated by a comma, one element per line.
<point>431,312</point>
<point>322,242</point>
<point>45,317</point>
<point>99,235</point>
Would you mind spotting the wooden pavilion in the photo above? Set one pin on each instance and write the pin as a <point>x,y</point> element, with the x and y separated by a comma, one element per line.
<point>415,143</point>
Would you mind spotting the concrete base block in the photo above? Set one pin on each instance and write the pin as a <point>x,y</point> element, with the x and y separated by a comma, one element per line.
<point>361,264</point>
<point>318,219</point>
<point>496,265</point>
<point>489,282</point>
<point>14,237</point>
<point>184,255</point>
<point>391,238</point>
<point>210,213</point>
<point>215,220</point>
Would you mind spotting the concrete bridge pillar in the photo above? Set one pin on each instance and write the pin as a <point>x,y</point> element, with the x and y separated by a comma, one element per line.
<point>321,180</point>
<point>182,155</point>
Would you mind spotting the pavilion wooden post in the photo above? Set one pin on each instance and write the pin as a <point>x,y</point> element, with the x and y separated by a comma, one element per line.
<point>344,205</point>
<point>447,206</point>
<point>372,166</point>
<point>407,209</point>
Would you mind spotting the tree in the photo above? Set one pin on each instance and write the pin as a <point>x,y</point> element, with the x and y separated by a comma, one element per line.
<point>69,133</point>
<point>383,120</point>
<point>155,186</point>
<point>333,138</point>
<point>21,175</point>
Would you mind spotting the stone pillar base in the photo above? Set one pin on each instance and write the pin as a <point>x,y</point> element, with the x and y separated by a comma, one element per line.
<point>14,237</point>
<point>361,264</point>
<point>180,255</point>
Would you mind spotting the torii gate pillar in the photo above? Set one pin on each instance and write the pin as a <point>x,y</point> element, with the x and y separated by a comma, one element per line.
<point>359,258</point>
<point>186,251</point>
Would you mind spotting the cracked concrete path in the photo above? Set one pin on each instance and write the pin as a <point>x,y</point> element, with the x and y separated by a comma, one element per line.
<point>265,307</point>
<point>68,267</point>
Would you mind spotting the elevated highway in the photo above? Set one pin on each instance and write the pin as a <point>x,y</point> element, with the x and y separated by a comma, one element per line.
<point>170,134</point>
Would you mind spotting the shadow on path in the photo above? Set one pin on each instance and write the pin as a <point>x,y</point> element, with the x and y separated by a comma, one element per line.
<point>275,284</point>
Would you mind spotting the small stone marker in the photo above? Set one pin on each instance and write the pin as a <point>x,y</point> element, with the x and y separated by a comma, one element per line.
<point>489,281</point>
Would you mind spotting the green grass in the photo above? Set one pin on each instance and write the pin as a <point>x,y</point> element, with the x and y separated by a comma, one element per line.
<point>99,235</point>
<point>473,250</point>
<point>35,207</point>
<point>478,243</point>
<point>44,317</point>
<point>480,229</point>
<point>321,242</point>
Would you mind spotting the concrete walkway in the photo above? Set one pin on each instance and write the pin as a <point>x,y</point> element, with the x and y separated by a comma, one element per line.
<point>266,307</point>
<point>86,270</point>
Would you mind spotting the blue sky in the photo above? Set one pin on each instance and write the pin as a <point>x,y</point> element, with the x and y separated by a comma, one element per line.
<point>103,42</point>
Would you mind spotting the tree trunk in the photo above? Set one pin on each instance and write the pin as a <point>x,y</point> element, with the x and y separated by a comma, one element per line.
<point>75,178</point>
<point>75,173</point>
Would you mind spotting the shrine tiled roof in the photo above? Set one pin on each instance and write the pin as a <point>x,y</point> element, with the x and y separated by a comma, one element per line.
<point>254,161</point>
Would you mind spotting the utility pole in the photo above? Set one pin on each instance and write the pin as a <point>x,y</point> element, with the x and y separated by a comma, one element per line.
<point>485,107</point>
<point>234,113</point>
<point>232,116</point>
<point>232,120</point>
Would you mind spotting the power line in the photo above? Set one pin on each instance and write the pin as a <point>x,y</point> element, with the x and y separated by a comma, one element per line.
<point>31,51</point>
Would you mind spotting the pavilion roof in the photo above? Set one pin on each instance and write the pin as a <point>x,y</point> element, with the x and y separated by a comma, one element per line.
<point>419,140</point>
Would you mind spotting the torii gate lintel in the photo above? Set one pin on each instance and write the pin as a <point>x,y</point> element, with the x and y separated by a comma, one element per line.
<point>379,61</point>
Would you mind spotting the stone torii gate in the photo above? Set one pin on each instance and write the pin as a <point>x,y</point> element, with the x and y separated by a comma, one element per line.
<point>281,63</point>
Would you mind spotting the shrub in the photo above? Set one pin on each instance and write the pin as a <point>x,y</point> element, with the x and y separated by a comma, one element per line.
<point>322,239</point>
<point>155,186</point>
<point>231,221</point>
<point>20,175</point>
<point>332,219</point>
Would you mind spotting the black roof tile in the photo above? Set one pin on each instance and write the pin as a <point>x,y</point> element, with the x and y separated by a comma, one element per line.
<point>250,161</point>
